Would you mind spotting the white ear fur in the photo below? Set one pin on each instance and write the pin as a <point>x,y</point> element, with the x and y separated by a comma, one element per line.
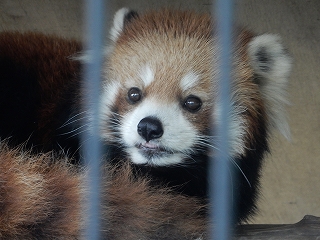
<point>272,64</point>
<point>118,23</point>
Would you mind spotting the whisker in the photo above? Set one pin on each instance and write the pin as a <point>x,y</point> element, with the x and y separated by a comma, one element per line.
<point>68,121</point>
<point>241,172</point>
<point>206,141</point>
<point>78,148</point>
<point>231,182</point>
<point>62,149</point>
<point>77,133</point>
<point>74,130</point>
<point>76,120</point>
<point>117,114</point>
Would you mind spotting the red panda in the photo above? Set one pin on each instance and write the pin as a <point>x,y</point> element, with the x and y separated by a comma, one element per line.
<point>158,95</point>
<point>162,72</point>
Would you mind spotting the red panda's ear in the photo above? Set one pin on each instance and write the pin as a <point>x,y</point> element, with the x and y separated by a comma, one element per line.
<point>121,18</point>
<point>269,58</point>
<point>272,65</point>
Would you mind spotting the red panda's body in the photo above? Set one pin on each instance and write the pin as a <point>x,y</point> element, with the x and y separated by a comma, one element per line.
<point>158,95</point>
<point>37,87</point>
<point>44,198</point>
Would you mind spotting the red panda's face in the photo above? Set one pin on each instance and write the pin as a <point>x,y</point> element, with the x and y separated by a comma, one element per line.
<point>162,98</point>
<point>160,89</point>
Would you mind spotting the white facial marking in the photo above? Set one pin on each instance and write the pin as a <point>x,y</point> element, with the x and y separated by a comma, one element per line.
<point>138,158</point>
<point>237,129</point>
<point>176,142</point>
<point>108,98</point>
<point>189,81</point>
<point>147,75</point>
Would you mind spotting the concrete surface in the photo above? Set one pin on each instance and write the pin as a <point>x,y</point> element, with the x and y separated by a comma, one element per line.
<point>291,175</point>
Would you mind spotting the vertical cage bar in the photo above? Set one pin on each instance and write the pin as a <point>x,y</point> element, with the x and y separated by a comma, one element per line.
<point>90,139</point>
<point>220,187</point>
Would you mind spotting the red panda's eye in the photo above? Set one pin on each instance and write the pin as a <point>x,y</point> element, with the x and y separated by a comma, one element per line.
<point>134,95</point>
<point>192,103</point>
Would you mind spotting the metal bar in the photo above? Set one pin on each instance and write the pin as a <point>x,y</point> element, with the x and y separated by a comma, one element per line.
<point>90,140</point>
<point>219,167</point>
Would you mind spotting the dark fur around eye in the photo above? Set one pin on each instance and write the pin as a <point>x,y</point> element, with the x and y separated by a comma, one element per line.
<point>134,95</point>
<point>192,103</point>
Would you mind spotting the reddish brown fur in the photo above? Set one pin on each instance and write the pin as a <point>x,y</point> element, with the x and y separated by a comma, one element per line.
<point>41,198</point>
<point>187,41</point>
<point>246,90</point>
<point>140,212</point>
<point>172,22</point>
<point>46,56</point>
<point>174,34</point>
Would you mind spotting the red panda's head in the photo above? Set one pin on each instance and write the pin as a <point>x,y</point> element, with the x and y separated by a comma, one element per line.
<point>160,87</point>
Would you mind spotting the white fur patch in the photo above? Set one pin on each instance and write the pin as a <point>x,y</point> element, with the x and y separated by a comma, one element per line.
<point>146,75</point>
<point>175,126</point>
<point>118,23</point>
<point>108,98</point>
<point>189,81</point>
<point>274,69</point>
<point>138,158</point>
<point>281,62</point>
<point>237,129</point>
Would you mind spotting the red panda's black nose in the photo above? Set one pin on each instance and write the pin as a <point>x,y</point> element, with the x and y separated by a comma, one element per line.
<point>150,128</point>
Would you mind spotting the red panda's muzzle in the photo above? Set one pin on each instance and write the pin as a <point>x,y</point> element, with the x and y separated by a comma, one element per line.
<point>152,150</point>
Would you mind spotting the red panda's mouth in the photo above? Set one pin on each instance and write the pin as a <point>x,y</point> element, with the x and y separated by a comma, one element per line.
<point>151,150</point>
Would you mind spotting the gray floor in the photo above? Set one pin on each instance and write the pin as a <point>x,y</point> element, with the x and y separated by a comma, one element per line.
<point>291,176</point>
